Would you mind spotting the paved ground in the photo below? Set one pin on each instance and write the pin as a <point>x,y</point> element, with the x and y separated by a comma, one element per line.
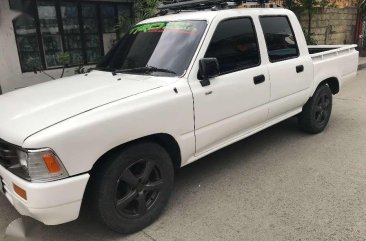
<point>362,63</point>
<point>362,60</point>
<point>280,184</point>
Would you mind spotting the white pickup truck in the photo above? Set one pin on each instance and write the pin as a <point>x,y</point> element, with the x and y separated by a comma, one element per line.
<point>174,89</point>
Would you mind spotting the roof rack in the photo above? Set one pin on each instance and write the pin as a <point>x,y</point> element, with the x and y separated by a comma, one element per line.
<point>196,5</point>
<point>175,6</point>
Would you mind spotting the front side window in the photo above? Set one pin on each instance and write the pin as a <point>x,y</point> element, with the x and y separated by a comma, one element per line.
<point>280,39</point>
<point>168,46</point>
<point>235,45</point>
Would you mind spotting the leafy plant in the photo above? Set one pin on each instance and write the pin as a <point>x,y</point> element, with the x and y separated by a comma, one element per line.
<point>143,9</point>
<point>361,6</point>
<point>63,58</point>
<point>294,5</point>
<point>124,23</point>
<point>309,7</point>
<point>310,40</point>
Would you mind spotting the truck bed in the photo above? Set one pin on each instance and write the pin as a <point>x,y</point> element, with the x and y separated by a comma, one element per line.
<point>319,49</point>
<point>339,60</point>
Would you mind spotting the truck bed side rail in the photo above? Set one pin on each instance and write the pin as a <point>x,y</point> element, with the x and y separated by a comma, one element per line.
<point>333,50</point>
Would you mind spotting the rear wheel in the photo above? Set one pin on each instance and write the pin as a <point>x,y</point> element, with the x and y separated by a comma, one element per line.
<point>132,189</point>
<point>317,110</point>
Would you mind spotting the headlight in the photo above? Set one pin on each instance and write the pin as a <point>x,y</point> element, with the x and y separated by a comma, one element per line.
<point>38,165</point>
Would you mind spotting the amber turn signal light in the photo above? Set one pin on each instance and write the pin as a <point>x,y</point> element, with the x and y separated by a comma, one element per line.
<point>51,163</point>
<point>21,192</point>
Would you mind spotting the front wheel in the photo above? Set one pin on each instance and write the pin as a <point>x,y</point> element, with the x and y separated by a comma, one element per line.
<point>131,190</point>
<point>317,110</point>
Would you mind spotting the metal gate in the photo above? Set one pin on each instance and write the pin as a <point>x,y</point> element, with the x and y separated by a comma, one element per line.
<point>362,41</point>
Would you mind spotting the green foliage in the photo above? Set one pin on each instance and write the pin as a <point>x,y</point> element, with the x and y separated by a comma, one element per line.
<point>143,9</point>
<point>124,23</point>
<point>361,6</point>
<point>309,7</point>
<point>294,5</point>
<point>310,40</point>
<point>64,58</point>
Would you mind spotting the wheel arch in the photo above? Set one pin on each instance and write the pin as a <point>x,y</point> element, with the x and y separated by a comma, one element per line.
<point>333,84</point>
<point>167,141</point>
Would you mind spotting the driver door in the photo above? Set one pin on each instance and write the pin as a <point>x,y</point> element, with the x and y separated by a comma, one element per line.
<point>236,100</point>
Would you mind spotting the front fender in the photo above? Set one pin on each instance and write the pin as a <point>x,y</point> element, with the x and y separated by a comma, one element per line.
<point>80,141</point>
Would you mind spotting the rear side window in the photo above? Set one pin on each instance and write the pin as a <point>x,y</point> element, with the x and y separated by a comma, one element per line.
<point>280,38</point>
<point>235,45</point>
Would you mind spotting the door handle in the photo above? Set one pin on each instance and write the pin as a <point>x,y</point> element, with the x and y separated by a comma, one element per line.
<point>259,79</point>
<point>299,68</point>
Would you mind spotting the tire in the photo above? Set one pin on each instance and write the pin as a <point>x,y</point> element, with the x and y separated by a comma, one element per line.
<point>317,110</point>
<point>132,187</point>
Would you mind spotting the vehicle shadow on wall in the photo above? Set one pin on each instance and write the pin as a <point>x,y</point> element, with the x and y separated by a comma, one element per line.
<point>188,180</point>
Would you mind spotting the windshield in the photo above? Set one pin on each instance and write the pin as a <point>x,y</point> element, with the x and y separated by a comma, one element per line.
<point>162,48</point>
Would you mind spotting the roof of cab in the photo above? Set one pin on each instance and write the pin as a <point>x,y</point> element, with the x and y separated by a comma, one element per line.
<point>209,14</point>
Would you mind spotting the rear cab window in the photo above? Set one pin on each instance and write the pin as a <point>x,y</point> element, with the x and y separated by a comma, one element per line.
<point>280,38</point>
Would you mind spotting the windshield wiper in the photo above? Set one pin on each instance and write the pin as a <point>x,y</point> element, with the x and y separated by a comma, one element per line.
<point>146,69</point>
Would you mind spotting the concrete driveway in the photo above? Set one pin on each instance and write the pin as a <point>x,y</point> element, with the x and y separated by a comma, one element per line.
<point>280,184</point>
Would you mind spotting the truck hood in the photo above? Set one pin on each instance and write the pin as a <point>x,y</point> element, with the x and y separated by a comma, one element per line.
<point>26,111</point>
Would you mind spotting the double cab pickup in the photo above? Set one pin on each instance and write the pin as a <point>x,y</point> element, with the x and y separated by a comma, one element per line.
<point>174,89</point>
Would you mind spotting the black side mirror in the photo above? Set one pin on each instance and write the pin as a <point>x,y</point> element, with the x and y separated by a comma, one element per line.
<point>208,68</point>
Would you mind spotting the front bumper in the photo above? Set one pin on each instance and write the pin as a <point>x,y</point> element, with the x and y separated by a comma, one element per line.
<point>51,203</point>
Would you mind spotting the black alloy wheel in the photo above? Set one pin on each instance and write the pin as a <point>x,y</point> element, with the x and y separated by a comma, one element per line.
<point>138,188</point>
<point>130,187</point>
<point>317,110</point>
<point>322,109</point>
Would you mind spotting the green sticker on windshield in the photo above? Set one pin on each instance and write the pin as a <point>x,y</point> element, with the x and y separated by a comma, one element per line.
<point>184,27</point>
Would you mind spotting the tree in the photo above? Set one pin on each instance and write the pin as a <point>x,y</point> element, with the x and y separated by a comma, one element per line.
<point>309,7</point>
<point>294,5</point>
<point>143,9</point>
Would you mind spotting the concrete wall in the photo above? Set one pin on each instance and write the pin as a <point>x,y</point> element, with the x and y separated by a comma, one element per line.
<point>332,25</point>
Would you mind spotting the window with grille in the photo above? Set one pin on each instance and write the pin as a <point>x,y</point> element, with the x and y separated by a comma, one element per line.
<point>47,29</point>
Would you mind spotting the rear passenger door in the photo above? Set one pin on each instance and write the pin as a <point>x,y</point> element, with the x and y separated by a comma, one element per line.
<point>237,99</point>
<point>289,69</point>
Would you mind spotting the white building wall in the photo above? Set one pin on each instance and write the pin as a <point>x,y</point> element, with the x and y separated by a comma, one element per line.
<point>11,76</point>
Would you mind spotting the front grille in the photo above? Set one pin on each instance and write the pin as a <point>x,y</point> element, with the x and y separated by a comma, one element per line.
<point>8,154</point>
